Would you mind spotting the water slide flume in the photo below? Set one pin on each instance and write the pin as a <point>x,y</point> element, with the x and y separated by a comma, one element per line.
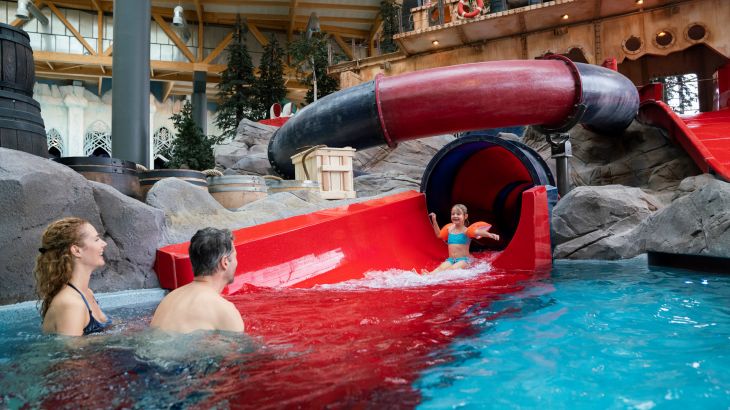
<point>339,244</point>
<point>500,181</point>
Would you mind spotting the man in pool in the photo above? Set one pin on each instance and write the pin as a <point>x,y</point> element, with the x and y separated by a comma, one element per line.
<point>199,304</point>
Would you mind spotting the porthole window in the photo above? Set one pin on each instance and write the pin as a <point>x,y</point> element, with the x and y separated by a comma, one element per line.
<point>632,45</point>
<point>696,32</point>
<point>664,38</point>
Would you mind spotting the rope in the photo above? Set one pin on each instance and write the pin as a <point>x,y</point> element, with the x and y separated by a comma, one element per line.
<point>304,158</point>
<point>212,173</point>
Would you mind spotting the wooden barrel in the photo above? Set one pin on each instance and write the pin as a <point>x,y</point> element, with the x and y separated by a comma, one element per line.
<point>149,178</point>
<point>21,125</point>
<point>17,73</point>
<point>291,185</point>
<point>235,191</point>
<point>118,173</point>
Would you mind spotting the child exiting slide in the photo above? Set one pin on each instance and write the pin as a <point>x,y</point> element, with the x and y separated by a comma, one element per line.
<point>458,235</point>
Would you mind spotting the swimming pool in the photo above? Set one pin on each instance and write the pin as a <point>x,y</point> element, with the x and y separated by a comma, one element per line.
<point>592,334</point>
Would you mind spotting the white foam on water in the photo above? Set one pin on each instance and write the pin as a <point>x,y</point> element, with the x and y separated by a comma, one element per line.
<point>398,278</point>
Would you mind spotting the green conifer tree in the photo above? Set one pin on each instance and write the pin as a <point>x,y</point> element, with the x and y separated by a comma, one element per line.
<point>190,148</point>
<point>315,50</point>
<point>389,12</point>
<point>270,86</point>
<point>235,90</point>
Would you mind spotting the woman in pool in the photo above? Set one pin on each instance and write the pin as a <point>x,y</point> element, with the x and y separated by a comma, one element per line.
<point>458,235</point>
<point>71,250</point>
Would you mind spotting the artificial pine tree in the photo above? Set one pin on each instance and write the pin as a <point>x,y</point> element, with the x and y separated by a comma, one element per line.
<point>270,88</point>
<point>191,148</point>
<point>680,92</point>
<point>389,13</point>
<point>315,50</point>
<point>235,90</point>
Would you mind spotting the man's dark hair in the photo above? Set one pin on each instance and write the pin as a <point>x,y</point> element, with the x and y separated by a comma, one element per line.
<point>207,247</point>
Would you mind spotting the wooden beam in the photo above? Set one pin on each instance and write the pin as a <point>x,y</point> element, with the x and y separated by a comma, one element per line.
<point>50,65</point>
<point>258,35</point>
<point>109,50</point>
<point>174,37</point>
<point>292,19</point>
<point>98,92</point>
<point>201,20</point>
<point>168,74</point>
<point>103,70</point>
<point>100,31</point>
<point>73,67</point>
<point>333,19</point>
<point>65,58</point>
<point>96,6</point>
<point>70,27</point>
<point>332,6</point>
<point>219,48</point>
<point>166,89</point>
<point>348,32</point>
<point>343,45</point>
<point>43,57</point>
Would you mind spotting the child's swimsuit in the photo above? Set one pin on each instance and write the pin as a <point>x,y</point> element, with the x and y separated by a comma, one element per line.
<point>457,239</point>
<point>94,325</point>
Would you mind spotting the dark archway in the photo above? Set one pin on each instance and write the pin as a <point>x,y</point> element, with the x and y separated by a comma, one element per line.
<point>100,152</point>
<point>576,55</point>
<point>699,59</point>
<point>54,152</point>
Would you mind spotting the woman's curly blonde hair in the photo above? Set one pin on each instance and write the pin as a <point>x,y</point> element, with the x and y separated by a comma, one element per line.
<point>54,264</point>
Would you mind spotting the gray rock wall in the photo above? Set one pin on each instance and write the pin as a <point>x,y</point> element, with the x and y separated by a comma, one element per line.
<point>35,192</point>
<point>639,157</point>
<point>614,222</point>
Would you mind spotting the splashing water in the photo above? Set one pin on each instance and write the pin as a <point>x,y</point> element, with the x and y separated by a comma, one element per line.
<point>613,335</point>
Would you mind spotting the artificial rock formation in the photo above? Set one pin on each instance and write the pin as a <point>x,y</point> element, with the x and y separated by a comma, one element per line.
<point>615,222</point>
<point>35,192</point>
<point>639,157</point>
<point>378,170</point>
<point>597,222</point>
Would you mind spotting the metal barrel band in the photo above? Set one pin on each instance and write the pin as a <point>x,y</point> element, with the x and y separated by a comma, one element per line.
<point>236,189</point>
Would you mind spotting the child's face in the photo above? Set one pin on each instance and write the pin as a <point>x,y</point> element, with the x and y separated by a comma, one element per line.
<point>457,216</point>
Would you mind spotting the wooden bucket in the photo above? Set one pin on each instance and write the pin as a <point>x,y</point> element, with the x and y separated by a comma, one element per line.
<point>21,125</point>
<point>149,178</point>
<point>235,191</point>
<point>291,185</point>
<point>118,173</point>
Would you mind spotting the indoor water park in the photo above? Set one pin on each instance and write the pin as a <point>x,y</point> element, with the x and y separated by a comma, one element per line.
<point>400,204</point>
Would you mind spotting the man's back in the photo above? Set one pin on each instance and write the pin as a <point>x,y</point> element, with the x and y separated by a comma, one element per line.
<point>196,306</point>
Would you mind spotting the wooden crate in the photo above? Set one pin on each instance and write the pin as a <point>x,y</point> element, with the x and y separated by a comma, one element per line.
<point>331,167</point>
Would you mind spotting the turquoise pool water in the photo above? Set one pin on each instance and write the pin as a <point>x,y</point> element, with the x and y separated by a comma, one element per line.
<point>595,335</point>
<point>591,335</point>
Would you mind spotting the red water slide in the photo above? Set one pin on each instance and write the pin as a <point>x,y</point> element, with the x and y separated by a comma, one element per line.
<point>500,181</point>
<point>705,136</point>
<point>344,243</point>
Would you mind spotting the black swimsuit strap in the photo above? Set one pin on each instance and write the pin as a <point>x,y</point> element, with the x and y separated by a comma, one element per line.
<point>82,296</point>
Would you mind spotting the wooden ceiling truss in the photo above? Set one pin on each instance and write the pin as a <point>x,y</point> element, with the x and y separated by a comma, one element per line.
<point>96,62</point>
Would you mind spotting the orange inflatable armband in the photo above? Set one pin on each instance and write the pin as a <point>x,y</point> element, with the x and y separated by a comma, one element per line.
<point>472,230</point>
<point>444,234</point>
